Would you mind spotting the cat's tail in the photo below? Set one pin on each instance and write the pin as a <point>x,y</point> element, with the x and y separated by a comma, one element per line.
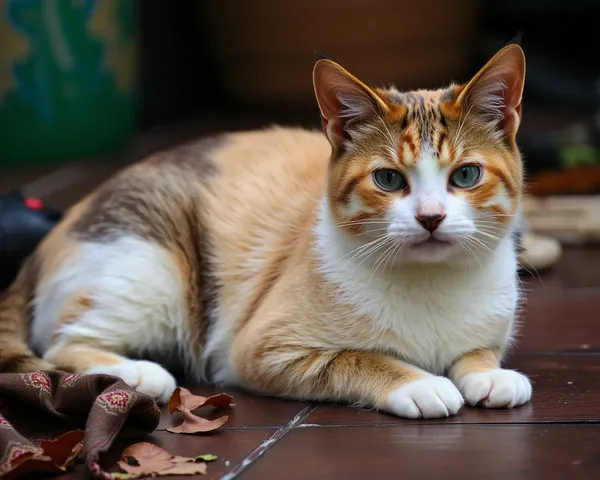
<point>15,317</point>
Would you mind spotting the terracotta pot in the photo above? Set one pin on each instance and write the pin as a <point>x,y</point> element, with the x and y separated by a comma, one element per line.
<point>265,48</point>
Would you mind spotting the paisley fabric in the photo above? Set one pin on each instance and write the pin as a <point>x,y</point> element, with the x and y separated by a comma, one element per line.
<point>39,410</point>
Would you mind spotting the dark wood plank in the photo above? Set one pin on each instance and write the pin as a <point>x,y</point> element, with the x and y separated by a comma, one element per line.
<point>249,410</point>
<point>419,451</point>
<point>573,270</point>
<point>561,321</point>
<point>566,389</point>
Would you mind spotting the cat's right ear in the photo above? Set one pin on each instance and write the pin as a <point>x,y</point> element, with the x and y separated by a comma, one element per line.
<point>344,101</point>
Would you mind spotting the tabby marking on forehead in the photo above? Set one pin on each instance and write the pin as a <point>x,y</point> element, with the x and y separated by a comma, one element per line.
<point>423,122</point>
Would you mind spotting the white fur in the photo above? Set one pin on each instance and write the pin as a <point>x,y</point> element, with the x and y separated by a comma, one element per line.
<point>497,388</point>
<point>438,311</point>
<point>146,377</point>
<point>429,397</point>
<point>137,306</point>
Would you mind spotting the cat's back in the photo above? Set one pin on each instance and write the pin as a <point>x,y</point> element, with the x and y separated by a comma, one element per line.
<point>268,171</point>
<point>241,183</point>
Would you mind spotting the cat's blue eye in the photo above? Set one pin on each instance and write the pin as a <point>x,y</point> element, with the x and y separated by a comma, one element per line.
<point>389,180</point>
<point>465,176</point>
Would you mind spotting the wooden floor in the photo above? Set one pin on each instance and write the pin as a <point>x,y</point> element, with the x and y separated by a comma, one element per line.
<point>557,436</point>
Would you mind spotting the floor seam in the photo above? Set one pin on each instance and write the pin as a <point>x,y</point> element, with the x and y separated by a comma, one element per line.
<point>547,423</point>
<point>267,444</point>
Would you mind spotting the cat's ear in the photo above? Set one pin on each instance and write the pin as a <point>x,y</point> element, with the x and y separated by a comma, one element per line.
<point>344,101</point>
<point>494,94</point>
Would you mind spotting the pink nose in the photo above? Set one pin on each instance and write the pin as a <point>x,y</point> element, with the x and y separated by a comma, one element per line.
<point>430,222</point>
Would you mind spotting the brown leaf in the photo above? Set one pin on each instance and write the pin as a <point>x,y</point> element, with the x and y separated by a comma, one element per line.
<point>64,450</point>
<point>56,456</point>
<point>182,399</point>
<point>144,452</point>
<point>175,402</point>
<point>159,469</point>
<point>195,424</point>
<point>153,460</point>
<point>221,400</point>
<point>151,468</point>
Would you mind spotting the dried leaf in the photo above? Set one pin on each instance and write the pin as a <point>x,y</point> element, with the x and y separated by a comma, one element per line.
<point>195,424</point>
<point>64,450</point>
<point>160,469</point>
<point>221,400</point>
<point>145,452</point>
<point>151,468</point>
<point>55,456</point>
<point>176,400</point>
<point>154,461</point>
<point>182,399</point>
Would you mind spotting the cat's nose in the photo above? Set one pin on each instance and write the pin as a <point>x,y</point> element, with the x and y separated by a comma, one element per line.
<point>430,222</point>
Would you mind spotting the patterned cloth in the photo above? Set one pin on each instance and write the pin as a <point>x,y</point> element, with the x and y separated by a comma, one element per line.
<point>38,409</point>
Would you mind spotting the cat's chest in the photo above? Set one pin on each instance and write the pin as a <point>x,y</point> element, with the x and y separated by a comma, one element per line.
<point>431,323</point>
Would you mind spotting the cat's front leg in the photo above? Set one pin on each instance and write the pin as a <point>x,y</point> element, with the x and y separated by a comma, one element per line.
<point>482,381</point>
<point>358,377</point>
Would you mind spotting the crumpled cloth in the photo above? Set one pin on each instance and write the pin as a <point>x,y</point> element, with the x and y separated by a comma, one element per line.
<point>42,414</point>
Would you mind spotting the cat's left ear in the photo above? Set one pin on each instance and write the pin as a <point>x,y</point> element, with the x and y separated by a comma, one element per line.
<point>494,94</point>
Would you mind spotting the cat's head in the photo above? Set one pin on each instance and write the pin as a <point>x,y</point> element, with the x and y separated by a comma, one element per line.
<point>425,175</point>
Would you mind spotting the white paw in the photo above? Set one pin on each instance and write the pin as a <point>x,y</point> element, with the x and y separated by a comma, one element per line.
<point>497,388</point>
<point>429,397</point>
<point>146,377</point>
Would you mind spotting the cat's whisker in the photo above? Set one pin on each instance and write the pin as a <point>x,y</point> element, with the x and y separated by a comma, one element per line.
<point>374,249</point>
<point>397,251</point>
<point>380,260</point>
<point>489,235</point>
<point>491,225</point>
<point>469,250</point>
<point>370,232</point>
<point>361,248</point>
<point>496,215</point>
<point>362,222</point>
<point>479,242</point>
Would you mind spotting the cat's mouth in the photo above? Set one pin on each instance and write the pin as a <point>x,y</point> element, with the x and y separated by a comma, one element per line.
<point>432,242</point>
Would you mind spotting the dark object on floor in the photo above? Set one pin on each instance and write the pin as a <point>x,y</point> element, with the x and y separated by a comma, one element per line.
<point>23,224</point>
<point>47,414</point>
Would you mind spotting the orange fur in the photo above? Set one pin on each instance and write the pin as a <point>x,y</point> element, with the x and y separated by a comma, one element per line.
<point>476,361</point>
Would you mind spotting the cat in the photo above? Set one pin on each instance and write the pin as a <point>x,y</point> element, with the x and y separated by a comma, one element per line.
<point>373,264</point>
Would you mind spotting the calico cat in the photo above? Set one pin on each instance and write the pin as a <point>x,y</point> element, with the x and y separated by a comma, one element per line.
<point>373,265</point>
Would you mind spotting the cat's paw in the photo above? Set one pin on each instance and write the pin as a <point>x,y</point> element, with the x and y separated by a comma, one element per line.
<point>497,388</point>
<point>429,397</point>
<point>146,377</point>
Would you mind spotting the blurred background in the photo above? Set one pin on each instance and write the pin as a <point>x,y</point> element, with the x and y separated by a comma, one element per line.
<point>88,86</point>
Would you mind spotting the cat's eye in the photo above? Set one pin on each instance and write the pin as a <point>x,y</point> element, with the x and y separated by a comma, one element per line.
<point>389,180</point>
<point>465,176</point>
